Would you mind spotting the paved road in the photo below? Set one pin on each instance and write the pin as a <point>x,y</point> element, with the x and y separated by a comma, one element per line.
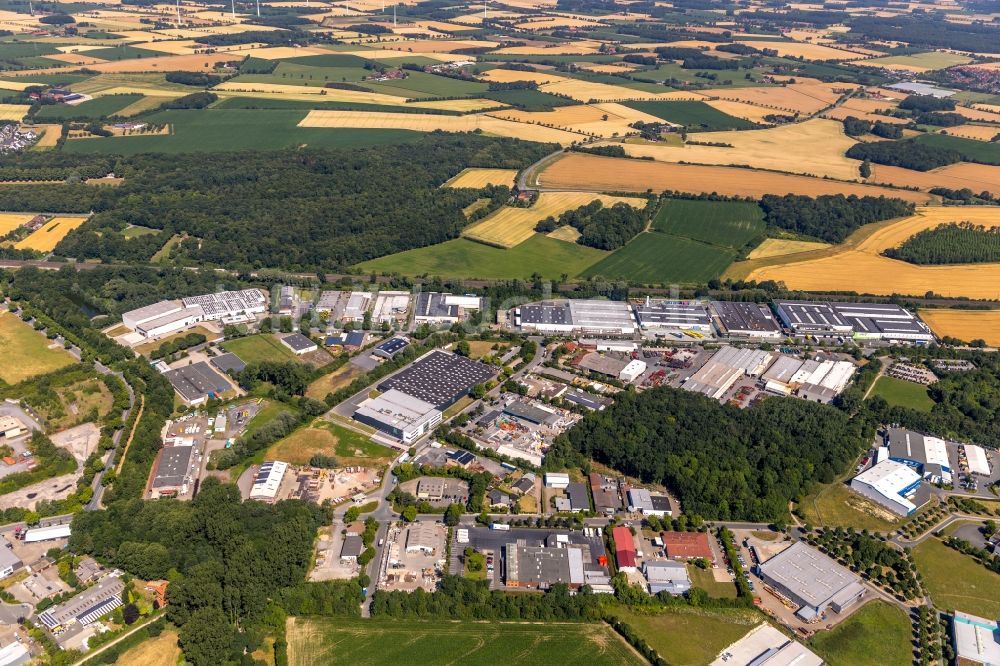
<point>11,613</point>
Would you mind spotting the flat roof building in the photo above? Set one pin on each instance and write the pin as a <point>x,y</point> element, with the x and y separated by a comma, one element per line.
<point>439,378</point>
<point>579,500</point>
<point>540,567</point>
<point>11,426</point>
<point>608,366</point>
<point>196,383</point>
<point>399,414</point>
<point>228,362</point>
<point>976,459</point>
<point>173,471</point>
<point>665,316</point>
<point>976,639</point>
<point>422,537</point>
<point>632,371</point>
<point>812,581</point>
<point>530,413</point>
<point>766,646</point>
<point>605,492</point>
<point>389,348</point>
<point>727,366</point>
<point>868,321</point>
<point>351,548</point>
<point>227,305</point>
<point>585,317</point>
<point>88,606</point>
<point>888,483</point>
<point>556,480</point>
<point>299,344</point>
<point>746,321</point>
<point>927,455</point>
<point>47,533</point>
<point>9,562</point>
<point>357,305</point>
<point>267,481</point>
<point>167,317</point>
<point>436,308</point>
<point>391,306</point>
<point>666,576</point>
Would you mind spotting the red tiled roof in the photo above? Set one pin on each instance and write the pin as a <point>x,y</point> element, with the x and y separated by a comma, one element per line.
<point>624,547</point>
<point>687,545</point>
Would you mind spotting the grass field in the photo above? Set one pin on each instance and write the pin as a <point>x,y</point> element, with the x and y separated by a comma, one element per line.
<point>99,107</point>
<point>704,579</point>
<point>694,115</point>
<point>876,635</point>
<point>901,393</point>
<point>777,247</point>
<point>259,348</point>
<point>972,151</point>
<point>479,178</point>
<point>726,223</point>
<point>333,381</point>
<point>965,324</point>
<point>663,259</point>
<point>918,62</point>
<point>463,258</point>
<point>956,581</point>
<point>690,637</point>
<point>26,351</point>
<point>50,233</point>
<point>160,651</point>
<point>323,437</point>
<point>208,130</point>
<point>835,505</point>
<point>422,84</point>
<point>341,641</point>
<point>511,226</point>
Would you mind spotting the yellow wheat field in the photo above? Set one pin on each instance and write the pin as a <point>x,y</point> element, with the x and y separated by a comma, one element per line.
<point>552,22</point>
<point>977,132</point>
<point>604,120</point>
<point>49,235</point>
<point>981,115</point>
<point>430,123</point>
<point>14,85</point>
<point>805,98</point>
<point>11,221</point>
<point>989,108</point>
<point>583,91</point>
<point>755,114</point>
<point>307,92</point>
<point>48,135</point>
<point>197,63</point>
<point>579,171</point>
<point>778,247</point>
<point>569,48</point>
<point>965,324</point>
<point>815,147</point>
<point>804,50</point>
<point>565,233</point>
<point>478,178</point>
<point>510,226</point>
<point>976,177</point>
<point>13,111</point>
<point>466,105</point>
<point>857,264</point>
<point>611,68</point>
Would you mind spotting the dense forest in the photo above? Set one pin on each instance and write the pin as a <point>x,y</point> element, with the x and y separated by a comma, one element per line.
<point>954,243</point>
<point>606,228</point>
<point>924,31</point>
<point>723,462</point>
<point>295,209</point>
<point>831,218</point>
<point>907,154</point>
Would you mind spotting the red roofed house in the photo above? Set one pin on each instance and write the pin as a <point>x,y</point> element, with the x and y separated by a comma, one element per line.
<point>624,548</point>
<point>687,545</point>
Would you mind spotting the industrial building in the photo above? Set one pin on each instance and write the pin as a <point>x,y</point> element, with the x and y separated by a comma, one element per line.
<point>666,576</point>
<point>347,340</point>
<point>584,317</point>
<point>286,300</point>
<point>166,317</point>
<point>725,368</point>
<point>439,378</point>
<point>625,553</point>
<point>391,307</point>
<point>687,546</point>
<point>927,455</point>
<point>196,383</point>
<point>640,500</point>
<point>632,371</point>
<point>229,307</point>
<point>976,640</point>
<point>356,306</point>
<point>172,474</point>
<point>228,363</point>
<point>87,607</point>
<point>746,321</point>
<point>976,459</point>
<point>436,308</point>
<point>660,317</point>
<point>11,426</point>
<point>609,366</point>
<point>422,537</point>
<point>351,548</point>
<point>267,481</point>
<point>47,533</point>
<point>540,567</point>
<point>789,375</point>
<point>329,301</point>
<point>530,413</point>
<point>299,344</point>
<point>589,400</point>
<point>399,414</point>
<point>558,480</point>
<point>579,499</point>
<point>389,348</point>
<point>9,562</point>
<point>605,492</point>
<point>889,483</point>
<point>812,581</point>
<point>766,646</point>
<point>864,321</point>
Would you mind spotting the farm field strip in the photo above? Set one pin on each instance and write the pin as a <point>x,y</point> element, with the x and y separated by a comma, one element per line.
<point>976,177</point>
<point>48,235</point>
<point>605,120</point>
<point>777,247</point>
<point>581,90</point>
<point>965,324</point>
<point>478,178</point>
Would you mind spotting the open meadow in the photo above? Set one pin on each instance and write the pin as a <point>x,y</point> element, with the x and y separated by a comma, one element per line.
<point>965,324</point>
<point>670,633</point>
<point>259,348</point>
<point>876,635</point>
<point>956,581</point>
<point>342,641</point>
<point>329,439</point>
<point>901,393</point>
<point>160,651</point>
<point>32,350</point>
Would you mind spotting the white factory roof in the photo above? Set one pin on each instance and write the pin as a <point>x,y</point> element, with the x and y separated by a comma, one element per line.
<point>766,646</point>
<point>920,448</point>
<point>976,456</point>
<point>977,640</point>
<point>812,576</point>
<point>397,409</point>
<point>268,479</point>
<point>890,479</point>
<point>46,533</point>
<point>153,311</point>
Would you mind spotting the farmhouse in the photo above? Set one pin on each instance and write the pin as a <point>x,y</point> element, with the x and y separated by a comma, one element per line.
<point>812,581</point>
<point>196,383</point>
<point>267,481</point>
<point>172,474</point>
<point>399,414</point>
<point>746,321</point>
<point>666,576</point>
<point>439,378</point>
<point>299,344</point>
<point>889,483</point>
<point>584,317</point>
<point>661,317</point>
<point>927,455</point>
<point>725,368</point>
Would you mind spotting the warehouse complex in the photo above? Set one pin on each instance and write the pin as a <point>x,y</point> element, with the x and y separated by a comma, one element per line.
<point>927,455</point>
<point>747,321</point>
<point>196,383</point>
<point>439,378</point>
<point>167,317</point>
<point>812,581</point>
<point>865,321</point>
<point>664,316</point>
<point>816,380</point>
<point>583,317</point>
<point>172,474</point>
<point>727,366</point>
<point>436,308</point>
<point>890,484</point>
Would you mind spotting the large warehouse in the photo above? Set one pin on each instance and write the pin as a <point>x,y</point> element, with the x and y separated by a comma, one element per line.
<point>583,317</point>
<point>196,383</point>
<point>927,455</point>
<point>746,321</point>
<point>976,639</point>
<point>889,483</point>
<point>400,415</point>
<point>436,308</point>
<point>172,475</point>
<point>166,317</point>
<point>866,321</point>
<point>661,317</point>
<point>727,366</point>
<point>267,481</point>
<point>812,581</point>
<point>789,375</point>
<point>439,378</point>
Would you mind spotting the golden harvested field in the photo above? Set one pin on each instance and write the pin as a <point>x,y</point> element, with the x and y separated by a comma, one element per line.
<point>319,94</point>
<point>381,54</point>
<point>430,123</point>
<point>981,115</point>
<point>583,91</point>
<point>857,264</point>
<point>806,98</point>
<point>804,50</point>
<point>977,177</point>
<point>990,108</point>
<point>179,47</point>
<point>965,324</point>
<point>511,226</point>
<point>75,59</point>
<point>191,63</point>
<point>604,120</point>
<point>552,22</point>
<point>754,114</point>
<point>48,135</point>
<point>843,111</point>
<point>13,111</point>
<point>160,651</point>
<point>977,132</point>
<point>611,68</point>
<point>815,147</point>
<point>565,233</point>
<point>14,85</point>
<point>49,235</point>
<point>610,174</point>
<point>11,221</point>
<point>569,48</point>
<point>465,105</point>
<point>777,247</point>
<point>482,177</point>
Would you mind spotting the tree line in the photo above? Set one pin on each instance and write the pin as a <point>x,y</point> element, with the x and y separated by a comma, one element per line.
<point>952,243</point>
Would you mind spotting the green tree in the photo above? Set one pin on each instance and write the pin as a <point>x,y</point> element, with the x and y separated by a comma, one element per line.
<point>453,514</point>
<point>207,638</point>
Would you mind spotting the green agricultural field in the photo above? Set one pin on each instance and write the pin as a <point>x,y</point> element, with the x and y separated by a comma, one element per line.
<point>16,50</point>
<point>258,348</point>
<point>956,581</point>
<point>124,52</point>
<point>302,105</point>
<point>671,71</point>
<point>295,74</point>
<point>422,84</point>
<point>972,150</point>
<point>655,257</point>
<point>56,80</point>
<point>614,80</point>
<point>725,223</point>
<point>693,115</point>
<point>135,232</point>
<point>343,641</point>
<point>99,107</point>
<point>690,636</point>
<point>529,100</point>
<point>901,393</point>
<point>211,130</point>
<point>463,258</point>
<point>877,635</point>
<point>26,351</point>
<point>327,60</point>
